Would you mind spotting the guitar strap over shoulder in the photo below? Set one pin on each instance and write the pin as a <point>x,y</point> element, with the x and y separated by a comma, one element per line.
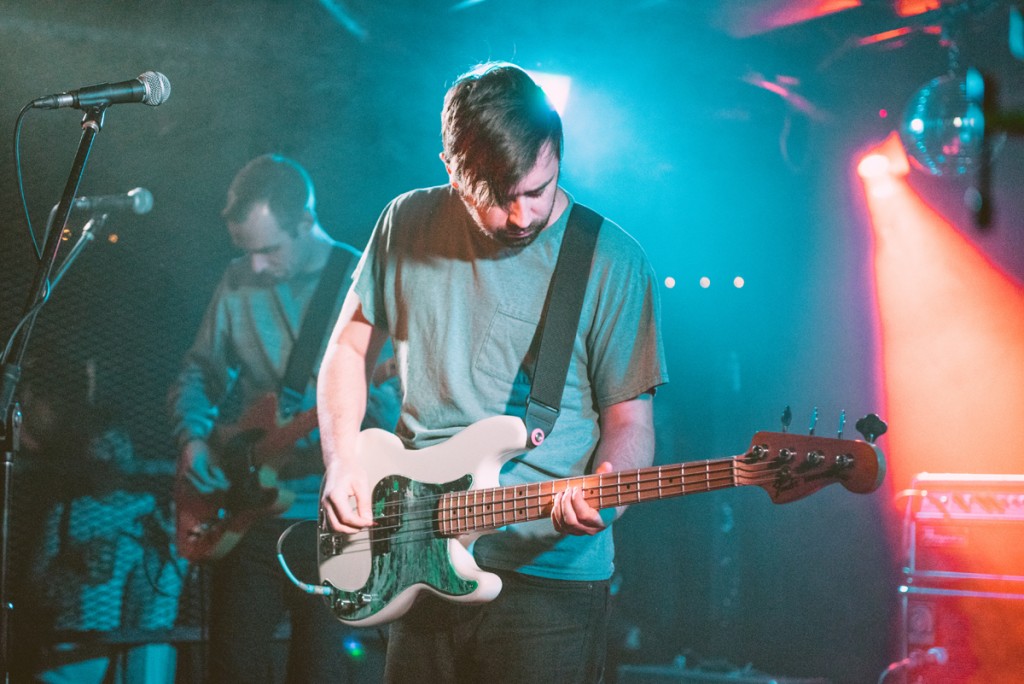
<point>340,265</point>
<point>559,322</point>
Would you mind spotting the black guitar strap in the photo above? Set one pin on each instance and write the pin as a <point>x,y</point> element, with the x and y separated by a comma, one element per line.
<point>339,267</point>
<point>559,322</point>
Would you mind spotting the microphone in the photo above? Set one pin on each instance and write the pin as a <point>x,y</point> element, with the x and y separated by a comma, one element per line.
<point>138,201</point>
<point>150,88</point>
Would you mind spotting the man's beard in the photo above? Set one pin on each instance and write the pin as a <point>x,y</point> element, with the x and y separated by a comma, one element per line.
<point>509,235</point>
<point>269,279</point>
<point>517,237</point>
<point>514,236</point>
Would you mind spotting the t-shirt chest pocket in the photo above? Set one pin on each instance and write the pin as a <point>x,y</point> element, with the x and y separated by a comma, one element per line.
<point>506,347</point>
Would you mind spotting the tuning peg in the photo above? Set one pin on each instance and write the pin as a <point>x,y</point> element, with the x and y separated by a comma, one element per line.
<point>787,418</point>
<point>871,427</point>
<point>842,424</point>
<point>814,421</point>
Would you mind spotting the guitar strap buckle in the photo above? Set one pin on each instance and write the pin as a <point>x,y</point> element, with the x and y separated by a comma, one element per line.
<point>540,421</point>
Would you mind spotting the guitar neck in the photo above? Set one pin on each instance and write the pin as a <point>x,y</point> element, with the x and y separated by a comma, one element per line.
<point>479,510</point>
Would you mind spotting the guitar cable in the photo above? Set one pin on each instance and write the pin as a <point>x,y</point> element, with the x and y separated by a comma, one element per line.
<point>304,586</point>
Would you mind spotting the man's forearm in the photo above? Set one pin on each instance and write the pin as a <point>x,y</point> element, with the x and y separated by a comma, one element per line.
<point>343,383</point>
<point>627,436</point>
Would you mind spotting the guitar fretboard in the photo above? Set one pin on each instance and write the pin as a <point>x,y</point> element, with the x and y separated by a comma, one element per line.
<point>478,510</point>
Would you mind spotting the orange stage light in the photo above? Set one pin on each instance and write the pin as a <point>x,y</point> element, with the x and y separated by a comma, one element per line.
<point>952,334</point>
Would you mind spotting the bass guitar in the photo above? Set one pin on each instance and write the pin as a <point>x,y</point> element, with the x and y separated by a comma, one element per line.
<point>430,505</point>
<point>251,452</point>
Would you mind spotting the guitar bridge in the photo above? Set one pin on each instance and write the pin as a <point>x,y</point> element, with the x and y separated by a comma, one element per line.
<point>331,544</point>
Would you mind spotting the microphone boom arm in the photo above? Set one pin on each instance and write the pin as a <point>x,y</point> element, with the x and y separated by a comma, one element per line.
<point>84,240</point>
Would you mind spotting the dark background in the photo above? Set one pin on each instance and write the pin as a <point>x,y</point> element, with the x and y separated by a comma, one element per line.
<point>665,134</point>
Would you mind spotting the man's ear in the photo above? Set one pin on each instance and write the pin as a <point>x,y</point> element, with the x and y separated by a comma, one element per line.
<point>451,178</point>
<point>306,223</point>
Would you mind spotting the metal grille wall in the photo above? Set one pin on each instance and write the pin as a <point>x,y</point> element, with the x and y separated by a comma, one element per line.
<point>117,313</point>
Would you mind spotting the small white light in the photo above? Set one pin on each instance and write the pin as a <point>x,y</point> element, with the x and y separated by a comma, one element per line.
<point>670,282</point>
<point>873,166</point>
<point>705,282</point>
<point>738,282</point>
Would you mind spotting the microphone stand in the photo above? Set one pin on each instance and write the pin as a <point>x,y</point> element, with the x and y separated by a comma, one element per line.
<point>89,230</point>
<point>92,123</point>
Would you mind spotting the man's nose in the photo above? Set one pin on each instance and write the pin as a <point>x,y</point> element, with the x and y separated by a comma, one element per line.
<point>518,214</point>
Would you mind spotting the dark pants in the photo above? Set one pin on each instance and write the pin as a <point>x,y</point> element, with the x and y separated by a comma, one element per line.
<point>537,630</point>
<point>250,598</point>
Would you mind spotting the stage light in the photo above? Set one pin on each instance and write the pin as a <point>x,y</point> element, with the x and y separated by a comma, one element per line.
<point>881,168</point>
<point>951,334</point>
<point>354,648</point>
<point>555,86</point>
<point>909,8</point>
<point>874,166</point>
<point>943,127</point>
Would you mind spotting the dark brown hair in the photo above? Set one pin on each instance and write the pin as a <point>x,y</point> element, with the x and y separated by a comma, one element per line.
<point>494,124</point>
<point>280,182</point>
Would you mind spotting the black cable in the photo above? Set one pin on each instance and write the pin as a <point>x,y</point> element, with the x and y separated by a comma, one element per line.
<point>21,180</point>
<point>27,318</point>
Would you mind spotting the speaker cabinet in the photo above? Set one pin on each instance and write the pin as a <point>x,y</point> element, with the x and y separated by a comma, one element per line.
<point>983,634</point>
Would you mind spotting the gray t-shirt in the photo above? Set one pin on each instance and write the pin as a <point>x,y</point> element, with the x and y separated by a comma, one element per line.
<point>240,353</point>
<point>462,311</point>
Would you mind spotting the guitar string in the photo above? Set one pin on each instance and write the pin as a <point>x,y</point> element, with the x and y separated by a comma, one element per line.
<point>422,526</point>
<point>477,498</point>
<point>417,529</point>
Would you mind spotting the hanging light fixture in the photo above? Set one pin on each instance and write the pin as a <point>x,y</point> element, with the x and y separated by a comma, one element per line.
<point>943,126</point>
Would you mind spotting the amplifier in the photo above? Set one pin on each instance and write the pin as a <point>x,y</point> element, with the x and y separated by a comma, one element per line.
<point>982,633</point>
<point>950,496</point>
<point>964,528</point>
<point>964,576</point>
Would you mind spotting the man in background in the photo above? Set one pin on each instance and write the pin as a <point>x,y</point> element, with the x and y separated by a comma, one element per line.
<point>243,352</point>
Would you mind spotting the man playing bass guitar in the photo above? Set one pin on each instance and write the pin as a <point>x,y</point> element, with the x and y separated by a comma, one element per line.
<point>457,276</point>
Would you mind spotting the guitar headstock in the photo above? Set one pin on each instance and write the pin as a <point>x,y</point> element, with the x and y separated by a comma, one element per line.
<point>791,466</point>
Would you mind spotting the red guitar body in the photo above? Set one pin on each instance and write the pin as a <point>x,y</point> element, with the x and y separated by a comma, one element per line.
<point>251,452</point>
